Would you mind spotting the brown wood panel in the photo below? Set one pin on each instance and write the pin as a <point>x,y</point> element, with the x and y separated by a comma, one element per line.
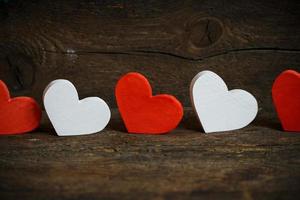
<point>258,162</point>
<point>92,43</point>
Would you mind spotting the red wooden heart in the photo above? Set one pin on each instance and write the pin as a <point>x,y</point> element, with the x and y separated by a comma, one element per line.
<point>286,97</point>
<point>143,113</point>
<point>17,115</point>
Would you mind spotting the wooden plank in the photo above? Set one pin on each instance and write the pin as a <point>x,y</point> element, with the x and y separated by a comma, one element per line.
<point>97,75</point>
<point>94,43</point>
<point>253,163</point>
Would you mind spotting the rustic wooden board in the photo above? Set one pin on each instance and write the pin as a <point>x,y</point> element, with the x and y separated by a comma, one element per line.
<point>258,162</point>
<point>93,43</point>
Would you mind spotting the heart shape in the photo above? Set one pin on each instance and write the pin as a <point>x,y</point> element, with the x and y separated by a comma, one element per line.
<point>71,116</point>
<point>286,98</point>
<point>217,108</point>
<point>17,115</point>
<point>143,113</point>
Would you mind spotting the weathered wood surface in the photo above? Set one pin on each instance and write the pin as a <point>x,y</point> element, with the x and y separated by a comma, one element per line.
<point>93,43</point>
<point>258,162</point>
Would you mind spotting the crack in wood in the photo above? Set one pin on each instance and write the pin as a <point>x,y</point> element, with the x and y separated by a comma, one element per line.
<point>146,52</point>
<point>206,34</point>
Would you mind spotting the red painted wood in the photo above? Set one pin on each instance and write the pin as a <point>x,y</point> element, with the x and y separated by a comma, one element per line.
<point>143,113</point>
<point>286,97</point>
<point>17,115</point>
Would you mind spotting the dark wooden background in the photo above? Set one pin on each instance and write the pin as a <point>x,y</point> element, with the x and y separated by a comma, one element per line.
<point>94,42</point>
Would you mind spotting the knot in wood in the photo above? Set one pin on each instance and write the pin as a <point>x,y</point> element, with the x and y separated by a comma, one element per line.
<point>204,32</point>
<point>17,71</point>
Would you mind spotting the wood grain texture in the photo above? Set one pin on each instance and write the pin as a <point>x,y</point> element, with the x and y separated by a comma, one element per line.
<point>93,43</point>
<point>258,162</point>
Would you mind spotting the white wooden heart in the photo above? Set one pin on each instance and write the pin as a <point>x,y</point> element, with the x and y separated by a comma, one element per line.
<point>219,109</point>
<point>71,116</point>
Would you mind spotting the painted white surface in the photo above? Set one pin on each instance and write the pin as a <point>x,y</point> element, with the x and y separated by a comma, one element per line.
<point>219,109</point>
<point>71,116</point>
